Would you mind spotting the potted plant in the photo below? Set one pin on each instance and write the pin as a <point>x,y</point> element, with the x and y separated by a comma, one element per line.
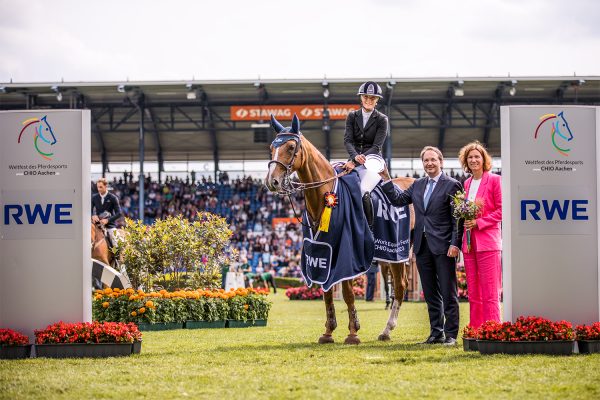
<point>304,293</point>
<point>247,307</point>
<point>469,338</point>
<point>88,339</point>
<point>588,338</point>
<point>14,345</point>
<point>526,335</point>
<point>208,310</point>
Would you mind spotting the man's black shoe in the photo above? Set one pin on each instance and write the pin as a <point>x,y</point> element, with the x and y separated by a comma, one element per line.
<point>433,340</point>
<point>450,341</point>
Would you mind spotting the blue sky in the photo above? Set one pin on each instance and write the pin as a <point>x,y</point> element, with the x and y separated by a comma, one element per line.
<point>47,41</point>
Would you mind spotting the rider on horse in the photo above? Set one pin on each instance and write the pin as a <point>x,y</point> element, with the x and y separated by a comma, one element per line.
<point>106,211</point>
<point>366,130</point>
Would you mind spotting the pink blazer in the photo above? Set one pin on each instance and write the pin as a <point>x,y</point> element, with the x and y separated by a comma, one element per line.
<point>487,235</point>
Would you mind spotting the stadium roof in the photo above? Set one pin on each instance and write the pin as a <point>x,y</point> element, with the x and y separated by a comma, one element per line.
<point>200,120</point>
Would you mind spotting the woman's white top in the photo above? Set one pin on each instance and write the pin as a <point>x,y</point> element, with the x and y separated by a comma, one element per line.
<point>473,189</point>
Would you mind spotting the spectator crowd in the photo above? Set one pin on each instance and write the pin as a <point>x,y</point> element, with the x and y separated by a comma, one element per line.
<point>247,205</point>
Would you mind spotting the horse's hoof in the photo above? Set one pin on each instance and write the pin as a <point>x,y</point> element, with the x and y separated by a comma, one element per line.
<point>387,305</point>
<point>384,338</point>
<point>324,339</point>
<point>352,339</point>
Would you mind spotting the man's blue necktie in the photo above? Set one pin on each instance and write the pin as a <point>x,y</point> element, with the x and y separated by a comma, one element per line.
<point>428,194</point>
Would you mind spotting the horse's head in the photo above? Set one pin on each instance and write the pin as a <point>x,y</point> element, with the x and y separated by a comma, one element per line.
<point>562,127</point>
<point>46,132</point>
<point>284,155</point>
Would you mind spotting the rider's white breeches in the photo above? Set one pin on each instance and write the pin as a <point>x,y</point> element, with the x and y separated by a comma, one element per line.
<point>368,179</point>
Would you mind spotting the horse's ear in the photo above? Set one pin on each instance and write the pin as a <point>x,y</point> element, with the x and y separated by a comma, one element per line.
<point>276,125</point>
<point>295,124</point>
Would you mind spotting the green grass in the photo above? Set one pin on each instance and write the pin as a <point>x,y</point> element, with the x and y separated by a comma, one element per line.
<point>283,361</point>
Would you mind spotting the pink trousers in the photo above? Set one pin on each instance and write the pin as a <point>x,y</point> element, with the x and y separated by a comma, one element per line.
<point>484,282</point>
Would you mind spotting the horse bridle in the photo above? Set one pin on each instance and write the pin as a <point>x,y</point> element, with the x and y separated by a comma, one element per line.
<point>288,186</point>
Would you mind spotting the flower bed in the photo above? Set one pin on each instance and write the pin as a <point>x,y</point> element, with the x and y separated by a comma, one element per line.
<point>526,329</point>
<point>469,337</point>
<point>13,345</point>
<point>588,338</point>
<point>88,332</point>
<point>88,339</point>
<point>526,335</point>
<point>304,293</point>
<point>8,337</point>
<point>179,306</point>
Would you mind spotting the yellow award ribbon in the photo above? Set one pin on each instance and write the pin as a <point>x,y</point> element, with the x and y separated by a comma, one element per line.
<point>325,218</point>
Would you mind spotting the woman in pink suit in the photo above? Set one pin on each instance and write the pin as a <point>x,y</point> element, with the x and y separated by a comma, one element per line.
<point>483,264</point>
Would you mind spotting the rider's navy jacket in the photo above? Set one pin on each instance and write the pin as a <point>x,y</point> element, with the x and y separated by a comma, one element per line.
<point>367,140</point>
<point>111,205</point>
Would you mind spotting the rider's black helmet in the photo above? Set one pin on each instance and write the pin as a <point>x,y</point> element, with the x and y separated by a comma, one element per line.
<point>371,89</point>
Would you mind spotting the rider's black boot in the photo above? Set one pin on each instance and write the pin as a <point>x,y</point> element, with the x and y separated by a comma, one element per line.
<point>368,207</point>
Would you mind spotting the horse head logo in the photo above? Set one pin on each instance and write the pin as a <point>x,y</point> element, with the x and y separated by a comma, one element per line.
<point>560,127</point>
<point>41,130</point>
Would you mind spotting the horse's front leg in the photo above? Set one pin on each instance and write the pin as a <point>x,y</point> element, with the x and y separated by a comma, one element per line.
<point>330,323</point>
<point>353,324</point>
<point>400,280</point>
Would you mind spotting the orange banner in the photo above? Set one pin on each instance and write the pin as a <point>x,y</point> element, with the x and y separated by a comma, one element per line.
<point>283,113</point>
<point>284,221</point>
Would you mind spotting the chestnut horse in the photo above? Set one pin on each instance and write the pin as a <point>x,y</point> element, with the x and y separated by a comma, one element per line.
<point>100,246</point>
<point>294,153</point>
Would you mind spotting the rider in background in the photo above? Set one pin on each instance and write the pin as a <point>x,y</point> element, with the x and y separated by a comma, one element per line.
<point>366,130</point>
<point>106,210</point>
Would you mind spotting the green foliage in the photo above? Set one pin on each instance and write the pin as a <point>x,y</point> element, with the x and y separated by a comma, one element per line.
<point>174,253</point>
<point>181,306</point>
<point>285,283</point>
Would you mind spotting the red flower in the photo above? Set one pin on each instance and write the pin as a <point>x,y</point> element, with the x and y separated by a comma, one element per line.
<point>591,332</point>
<point>8,337</point>
<point>86,332</point>
<point>526,329</point>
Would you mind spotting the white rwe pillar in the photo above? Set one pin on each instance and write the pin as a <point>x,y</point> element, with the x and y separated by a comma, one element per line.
<point>45,264</point>
<point>550,191</point>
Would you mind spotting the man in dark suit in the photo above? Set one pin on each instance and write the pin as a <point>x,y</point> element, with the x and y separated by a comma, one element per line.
<point>437,242</point>
<point>106,209</point>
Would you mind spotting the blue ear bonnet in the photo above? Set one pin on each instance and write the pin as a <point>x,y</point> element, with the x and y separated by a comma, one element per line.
<point>285,134</point>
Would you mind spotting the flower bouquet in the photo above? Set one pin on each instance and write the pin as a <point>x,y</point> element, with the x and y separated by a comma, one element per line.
<point>13,344</point>
<point>588,338</point>
<point>465,209</point>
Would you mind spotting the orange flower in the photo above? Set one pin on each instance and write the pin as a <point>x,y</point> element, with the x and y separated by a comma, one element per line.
<point>133,314</point>
<point>108,290</point>
<point>149,303</point>
<point>245,306</point>
<point>105,304</point>
<point>142,310</point>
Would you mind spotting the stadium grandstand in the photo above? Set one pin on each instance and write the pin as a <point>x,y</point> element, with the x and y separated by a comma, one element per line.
<point>177,147</point>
